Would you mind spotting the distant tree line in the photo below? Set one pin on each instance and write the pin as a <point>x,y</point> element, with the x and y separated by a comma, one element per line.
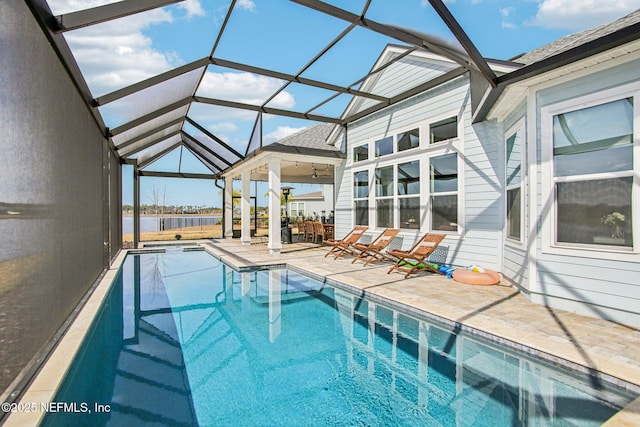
<point>154,209</point>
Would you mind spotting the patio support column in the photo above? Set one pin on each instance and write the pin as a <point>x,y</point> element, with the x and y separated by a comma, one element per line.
<point>136,206</point>
<point>246,208</point>
<point>275,243</point>
<point>228,207</point>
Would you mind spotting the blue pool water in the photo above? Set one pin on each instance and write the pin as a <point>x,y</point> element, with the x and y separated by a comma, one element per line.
<point>184,340</point>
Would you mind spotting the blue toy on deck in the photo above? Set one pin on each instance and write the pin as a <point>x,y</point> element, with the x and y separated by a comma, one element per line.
<point>447,271</point>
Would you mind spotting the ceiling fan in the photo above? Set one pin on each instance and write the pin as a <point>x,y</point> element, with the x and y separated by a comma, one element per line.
<point>315,174</point>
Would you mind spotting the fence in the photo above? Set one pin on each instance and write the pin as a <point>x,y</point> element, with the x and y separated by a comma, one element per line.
<point>172,223</point>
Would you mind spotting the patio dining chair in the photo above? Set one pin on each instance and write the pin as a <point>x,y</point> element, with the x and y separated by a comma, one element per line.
<point>300,228</point>
<point>370,252</point>
<point>318,232</point>
<point>309,231</point>
<point>341,247</point>
<point>415,259</point>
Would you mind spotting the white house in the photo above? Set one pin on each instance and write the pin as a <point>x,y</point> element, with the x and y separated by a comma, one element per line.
<point>314,204</point>
<point>538,177</point>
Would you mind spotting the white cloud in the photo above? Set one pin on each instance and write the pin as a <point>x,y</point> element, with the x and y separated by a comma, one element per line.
<point>279,133</point>
<point>246,88</point>
<point>223,127</point>
<point>581,14</point>
<point>59,7</point>
<point>192,7</point>
<point>225,117</point>
<point>117,53</point>
<point>507,22</point>
<point>247,5</point>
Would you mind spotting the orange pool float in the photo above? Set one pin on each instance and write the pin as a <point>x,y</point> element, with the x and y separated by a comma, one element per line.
<point>484,278</point>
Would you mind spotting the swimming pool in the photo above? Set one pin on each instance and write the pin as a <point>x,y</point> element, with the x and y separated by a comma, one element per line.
<point>186,340</point>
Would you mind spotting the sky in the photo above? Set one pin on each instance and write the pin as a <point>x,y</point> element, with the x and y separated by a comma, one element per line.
<point>115,54</point>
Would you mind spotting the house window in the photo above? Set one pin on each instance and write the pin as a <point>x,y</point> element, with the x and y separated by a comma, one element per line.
<point>444,192</point>
<point>361,197</point>
<point>593,174</point>
<point>408,178</point>
<point>408,140</point>
<point>394,180</point>
<point>361,153</point>
<point>384,196</point>
<point>389,145</point>
<point>443,130</point>
<point>297,210</point>
<point>384,146</point>
<point>514,148</point>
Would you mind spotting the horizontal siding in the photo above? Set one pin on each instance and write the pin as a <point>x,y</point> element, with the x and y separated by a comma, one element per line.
<point>343,206</point>
<point>474,250</point>
<point>393,80</point>
<point>600,298</point>
<point>482,196</point>
<point>432,104</point>
<point>515,265</point>
<point>584,273</point>
<point>587,284</point>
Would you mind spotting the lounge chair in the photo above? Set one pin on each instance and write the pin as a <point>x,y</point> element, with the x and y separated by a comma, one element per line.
<point>370,252</point>
<point>414,259</point>
<point>341,247</point>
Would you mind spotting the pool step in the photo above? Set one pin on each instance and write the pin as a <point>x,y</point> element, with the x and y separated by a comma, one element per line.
<point>192,248</point>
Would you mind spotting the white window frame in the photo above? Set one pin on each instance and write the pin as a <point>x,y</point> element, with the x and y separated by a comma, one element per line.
<point>396,149</point>
<point>427,193</point>
<point>519,126</point>
<point>460,130</point>
<point>423,154</point>
<point>297,208</point>
<point>354,199</point>
<point>394,145</point>
<point>398,196</point>
<point>353,158</point>
<point>393,197</point>
<point>547,113</point>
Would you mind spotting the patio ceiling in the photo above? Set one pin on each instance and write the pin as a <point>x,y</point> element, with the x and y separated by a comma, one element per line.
<point>305,157</point>
<point>152,116</point>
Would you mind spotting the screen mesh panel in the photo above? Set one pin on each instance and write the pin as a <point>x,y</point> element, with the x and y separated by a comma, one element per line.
<point>256,137</point>
<point>151,99</point>
<point>136,146</point>
<point>51,193</point>
<point>149,125</point>
<point>150,152</point>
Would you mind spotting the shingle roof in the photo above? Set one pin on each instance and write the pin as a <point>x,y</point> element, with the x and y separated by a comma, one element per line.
<point>314,195</point>
<point>574,40</point>
<point>312,140</point>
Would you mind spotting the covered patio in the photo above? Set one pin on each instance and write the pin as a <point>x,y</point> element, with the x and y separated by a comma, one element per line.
<point>301,158</point>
